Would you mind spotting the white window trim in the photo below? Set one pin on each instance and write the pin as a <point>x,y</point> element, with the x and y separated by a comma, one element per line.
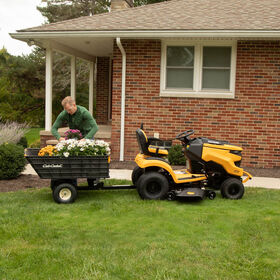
<point>197,82</point>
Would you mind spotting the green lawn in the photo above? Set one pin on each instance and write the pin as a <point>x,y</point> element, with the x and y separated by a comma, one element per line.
<point>33,134</point>
<point>116,235</point>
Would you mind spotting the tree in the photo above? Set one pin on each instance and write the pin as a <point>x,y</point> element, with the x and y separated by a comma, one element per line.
<point>58,10</point>
<point>21,88</point>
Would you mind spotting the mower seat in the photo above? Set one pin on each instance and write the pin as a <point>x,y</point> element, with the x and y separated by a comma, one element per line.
<point>145,146</point>
<point>157,150</point>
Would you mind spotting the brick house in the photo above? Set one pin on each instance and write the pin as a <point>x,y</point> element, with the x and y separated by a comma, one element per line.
<point>210,65</point>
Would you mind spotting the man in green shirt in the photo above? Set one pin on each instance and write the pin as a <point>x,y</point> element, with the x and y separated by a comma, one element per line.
<point>77,117</point>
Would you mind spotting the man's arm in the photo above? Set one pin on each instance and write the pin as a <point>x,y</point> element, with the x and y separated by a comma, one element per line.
<point>57,124</point>
<point>92,123</point>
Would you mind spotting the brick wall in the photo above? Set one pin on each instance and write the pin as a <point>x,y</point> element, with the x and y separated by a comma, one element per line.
<point>251,120</point>
<point>102,90</point>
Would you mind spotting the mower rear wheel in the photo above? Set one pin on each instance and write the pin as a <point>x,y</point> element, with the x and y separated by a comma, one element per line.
<point>152,185</point>
<point>232,188</point>
<point>136,173</point>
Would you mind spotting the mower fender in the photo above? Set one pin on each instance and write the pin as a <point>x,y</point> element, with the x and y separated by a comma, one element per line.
<point>224,158</point>
<point>145,162</point>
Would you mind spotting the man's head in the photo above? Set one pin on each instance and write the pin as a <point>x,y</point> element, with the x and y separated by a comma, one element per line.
<point>69,105</point>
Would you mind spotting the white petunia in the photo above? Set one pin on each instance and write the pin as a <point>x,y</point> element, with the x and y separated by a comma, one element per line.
<point>95,146</point>
<point>108,150</point>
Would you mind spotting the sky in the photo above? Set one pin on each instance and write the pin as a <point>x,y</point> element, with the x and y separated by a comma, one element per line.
<point>16,15</point>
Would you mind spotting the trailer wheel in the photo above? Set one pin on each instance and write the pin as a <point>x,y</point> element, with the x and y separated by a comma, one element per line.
<point>136,173</point>
<point>56,182</point>
<point>152,185</point>
<point>232,188</point>
<point>65,193</point>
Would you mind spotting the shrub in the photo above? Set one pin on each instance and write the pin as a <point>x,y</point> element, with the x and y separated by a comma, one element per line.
<point>23,142</point>
<point>12,132</point>
<point>12,161</point>
<point>176,155</point>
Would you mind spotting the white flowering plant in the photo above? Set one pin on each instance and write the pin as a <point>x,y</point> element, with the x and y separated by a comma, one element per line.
<point>87,147</point>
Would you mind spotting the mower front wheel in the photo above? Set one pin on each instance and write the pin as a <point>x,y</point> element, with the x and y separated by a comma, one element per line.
<point>152,185</point>
<point>232,188</point>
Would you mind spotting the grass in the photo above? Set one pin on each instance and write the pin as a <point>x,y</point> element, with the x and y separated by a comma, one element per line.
<point>116,235</point>
<point>33,134</point>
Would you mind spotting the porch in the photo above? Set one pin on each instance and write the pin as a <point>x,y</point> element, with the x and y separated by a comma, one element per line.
<point>99,93</point>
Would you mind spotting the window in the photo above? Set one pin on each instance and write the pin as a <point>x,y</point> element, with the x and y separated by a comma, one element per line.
<point>179,67</point>
<point>216,67</point>
<point>198,69</point>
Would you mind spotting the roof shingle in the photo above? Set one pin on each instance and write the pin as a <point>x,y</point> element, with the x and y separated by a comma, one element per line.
<point>179,15</point>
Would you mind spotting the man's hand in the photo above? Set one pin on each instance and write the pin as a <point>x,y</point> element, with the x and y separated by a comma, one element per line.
<point>83,139</point>
<point>61,139</point>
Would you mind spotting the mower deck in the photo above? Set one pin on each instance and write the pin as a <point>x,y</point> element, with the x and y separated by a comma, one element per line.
<point>191,194</point>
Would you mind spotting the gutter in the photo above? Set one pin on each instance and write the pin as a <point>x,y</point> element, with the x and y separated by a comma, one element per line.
<point>255,34</point>
<point>119,44</point>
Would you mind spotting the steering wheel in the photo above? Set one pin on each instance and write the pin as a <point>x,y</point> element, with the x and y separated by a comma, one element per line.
<point>185,134</point>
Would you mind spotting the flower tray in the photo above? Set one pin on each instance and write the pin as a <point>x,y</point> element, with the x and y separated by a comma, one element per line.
<point>55,167</point>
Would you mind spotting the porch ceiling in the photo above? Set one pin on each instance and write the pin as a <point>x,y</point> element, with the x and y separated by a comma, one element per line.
<point>85,47</point>
<point>90,46</point>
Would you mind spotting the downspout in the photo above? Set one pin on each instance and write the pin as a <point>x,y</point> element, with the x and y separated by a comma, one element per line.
<point>119,44</point>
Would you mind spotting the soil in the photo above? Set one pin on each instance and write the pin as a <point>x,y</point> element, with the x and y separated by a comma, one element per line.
<point>33,181</point>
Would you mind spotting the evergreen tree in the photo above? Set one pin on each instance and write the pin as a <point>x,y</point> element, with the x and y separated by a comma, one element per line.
<point>58,10</point>
<point>21,88</point>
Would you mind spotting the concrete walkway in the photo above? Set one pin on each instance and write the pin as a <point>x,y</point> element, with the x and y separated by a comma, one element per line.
<point>263,182</point>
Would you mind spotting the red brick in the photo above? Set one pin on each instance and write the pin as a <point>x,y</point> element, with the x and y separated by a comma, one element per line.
<point>250,120</point>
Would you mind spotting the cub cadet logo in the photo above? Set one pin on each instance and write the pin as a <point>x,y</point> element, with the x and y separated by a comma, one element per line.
<point>52,165</point>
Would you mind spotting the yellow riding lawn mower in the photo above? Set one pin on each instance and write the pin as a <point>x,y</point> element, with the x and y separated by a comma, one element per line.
<point>211,165</point>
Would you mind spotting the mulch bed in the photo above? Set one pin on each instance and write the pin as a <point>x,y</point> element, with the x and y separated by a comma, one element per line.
<point>33,181</point>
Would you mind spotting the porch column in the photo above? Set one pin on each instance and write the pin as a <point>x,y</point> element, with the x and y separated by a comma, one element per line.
<point>91,80</point>
<point>48,89</point>
<point>73,77</point>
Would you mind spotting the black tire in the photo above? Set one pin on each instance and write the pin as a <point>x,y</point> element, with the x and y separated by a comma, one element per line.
<point>56,182</point>
<point>171,196</point>
<point>65,193</point>
<point>152,185</point>
<point>232,188</point>
<point>136,173</point>
<point>211,195</point>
